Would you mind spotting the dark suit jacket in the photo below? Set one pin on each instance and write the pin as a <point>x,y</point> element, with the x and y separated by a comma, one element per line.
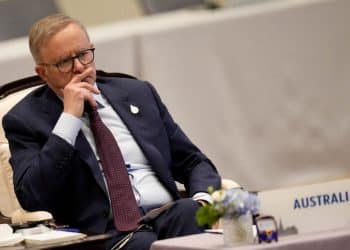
<point>52,175</point>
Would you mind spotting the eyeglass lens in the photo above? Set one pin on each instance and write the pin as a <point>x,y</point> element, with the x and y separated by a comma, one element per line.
<point>85,57</point>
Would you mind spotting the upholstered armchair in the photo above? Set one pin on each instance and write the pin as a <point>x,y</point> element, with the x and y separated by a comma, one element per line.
<point>10,209</point>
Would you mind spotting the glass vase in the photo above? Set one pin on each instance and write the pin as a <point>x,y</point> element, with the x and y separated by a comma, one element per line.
<point>238,230</point>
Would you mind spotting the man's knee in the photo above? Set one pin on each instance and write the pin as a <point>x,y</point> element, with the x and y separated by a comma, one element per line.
<point>187,207</point>
<point>179,220</point>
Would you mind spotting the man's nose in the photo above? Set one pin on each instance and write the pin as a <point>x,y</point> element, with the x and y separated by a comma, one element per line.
<point>78,67</point>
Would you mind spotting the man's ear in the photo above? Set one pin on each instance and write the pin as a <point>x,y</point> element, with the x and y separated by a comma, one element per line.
<point>41,71</point>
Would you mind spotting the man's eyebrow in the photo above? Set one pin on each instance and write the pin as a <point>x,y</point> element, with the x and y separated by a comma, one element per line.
<point>82,50</point>
<point>63,58</point>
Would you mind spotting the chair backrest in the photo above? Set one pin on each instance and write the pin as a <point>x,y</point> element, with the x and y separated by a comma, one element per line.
<point>10,94</point>
<point>13,92</point>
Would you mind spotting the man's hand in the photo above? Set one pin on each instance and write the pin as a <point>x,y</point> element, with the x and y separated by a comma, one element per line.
<point>76,92</point>
<point>202,202</point>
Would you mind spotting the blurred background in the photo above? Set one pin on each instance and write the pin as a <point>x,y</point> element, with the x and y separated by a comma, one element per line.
<point>17,15</point>
<point>261,86</point>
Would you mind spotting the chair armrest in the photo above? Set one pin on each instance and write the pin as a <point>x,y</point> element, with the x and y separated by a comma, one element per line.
<point>225,184</point>
<point>9,205</point>
<point>4,219</point>
<point>21,216</point>
<point>228,184</point>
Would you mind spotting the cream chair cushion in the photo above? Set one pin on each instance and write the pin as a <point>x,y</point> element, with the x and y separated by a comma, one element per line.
<point>9,205</point>
<point>228,184</point>
<point>7,201</point>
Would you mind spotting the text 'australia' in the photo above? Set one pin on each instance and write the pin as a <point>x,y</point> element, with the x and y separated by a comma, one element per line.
<point>321,200</point>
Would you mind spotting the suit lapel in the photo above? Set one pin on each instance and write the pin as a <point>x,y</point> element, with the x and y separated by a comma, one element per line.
<point>85,152</point>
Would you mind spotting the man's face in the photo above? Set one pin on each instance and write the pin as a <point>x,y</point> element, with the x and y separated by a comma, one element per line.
<point>65,44</point>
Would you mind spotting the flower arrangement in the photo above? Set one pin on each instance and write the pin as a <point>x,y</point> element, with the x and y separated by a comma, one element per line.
<point>227,203</point>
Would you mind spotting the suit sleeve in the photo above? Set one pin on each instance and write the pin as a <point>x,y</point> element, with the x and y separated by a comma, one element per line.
<point>41,166</point>
<point>189,165</point>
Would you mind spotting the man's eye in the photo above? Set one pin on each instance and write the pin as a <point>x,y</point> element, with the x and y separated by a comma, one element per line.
<point>64,62</point>
<point>83,54</point>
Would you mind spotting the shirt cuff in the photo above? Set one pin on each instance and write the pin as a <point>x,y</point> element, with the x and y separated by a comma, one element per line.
<point>68,127</point>
<point>202,196</point>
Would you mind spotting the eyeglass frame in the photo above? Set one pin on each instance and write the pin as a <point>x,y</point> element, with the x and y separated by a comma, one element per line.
<point>71,59</point>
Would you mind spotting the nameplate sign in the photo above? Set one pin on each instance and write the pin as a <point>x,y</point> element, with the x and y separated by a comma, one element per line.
<point>309,208</point>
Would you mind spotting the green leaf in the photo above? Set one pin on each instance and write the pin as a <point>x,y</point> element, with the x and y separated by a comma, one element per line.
<point>211,189</point>
<point>207,215</point>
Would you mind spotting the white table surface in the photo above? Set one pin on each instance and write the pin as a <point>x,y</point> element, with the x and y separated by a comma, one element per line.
<point>328,240</point>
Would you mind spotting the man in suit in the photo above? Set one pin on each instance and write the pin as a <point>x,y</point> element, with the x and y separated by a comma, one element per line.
<point>53,153</point>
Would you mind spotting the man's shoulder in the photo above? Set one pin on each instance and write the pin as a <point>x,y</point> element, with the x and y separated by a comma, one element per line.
<point>126,83</point>
<point>27,100</point>
<point>103,74</point>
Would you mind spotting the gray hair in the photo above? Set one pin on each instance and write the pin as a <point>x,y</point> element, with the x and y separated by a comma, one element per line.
<point>45,28</point>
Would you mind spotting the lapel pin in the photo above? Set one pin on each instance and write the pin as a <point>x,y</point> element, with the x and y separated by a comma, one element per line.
<point>134,109</point>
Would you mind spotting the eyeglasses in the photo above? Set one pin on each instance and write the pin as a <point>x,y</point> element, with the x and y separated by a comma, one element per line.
<point>66,65</point>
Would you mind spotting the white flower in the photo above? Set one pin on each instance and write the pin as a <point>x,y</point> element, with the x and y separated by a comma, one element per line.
<point>218,195</point>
